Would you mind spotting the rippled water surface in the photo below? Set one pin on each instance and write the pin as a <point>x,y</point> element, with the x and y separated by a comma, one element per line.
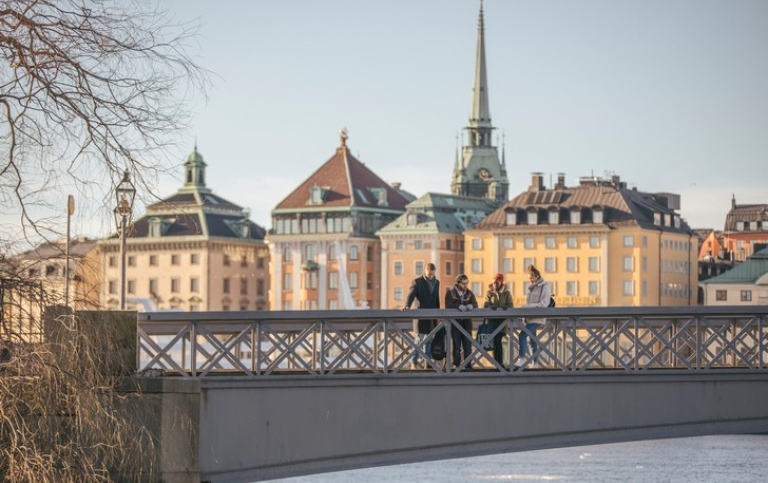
<point>717,459</point>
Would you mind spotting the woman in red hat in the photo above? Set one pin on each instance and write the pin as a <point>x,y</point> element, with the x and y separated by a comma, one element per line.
<point>498,297</point>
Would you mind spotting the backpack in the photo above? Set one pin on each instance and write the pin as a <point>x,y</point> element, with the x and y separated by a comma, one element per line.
<point>484,335</point>
<point>438,346</point>
<point>552,301</point>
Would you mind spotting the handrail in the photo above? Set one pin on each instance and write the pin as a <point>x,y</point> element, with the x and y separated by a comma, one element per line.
<point>382,342</point>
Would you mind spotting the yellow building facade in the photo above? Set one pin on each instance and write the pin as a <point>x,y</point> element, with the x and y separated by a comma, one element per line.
<point>598,244</point>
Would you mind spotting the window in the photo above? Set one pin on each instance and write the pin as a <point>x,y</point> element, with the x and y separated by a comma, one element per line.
<point>529,243</point>
<point>175,260</point>
<point>333,280</point>
<point>353,280</point>
<point>594,242</point>
<point>243,286</point>
<point>175,285</point>
<point>333,304</point>
<point>332,253</point>
<point>477,244</point>
<point>527,262</point>
<point>418,244</point>
<point>112,261</point>
<point>225,285</point>
<point>553,217</point>
<point>244,261</point>
<point>194,259</point>
<point>260,262</point>
<point>629,241</point>
<point>597,216</point>
<point>398,293</point>
<point>398,268</point>
<point>419,267</point>
<point>506,265</point>
<point>533,217</point>
<point>629,287</point>
<point>354,253</point>
<point>572,264</point>
<point>644,263</point>
<point>310,280</point>
<point>721,295</point>
<point>369,282</point>
<point>131,261</point>
<point>572,242</point>
<point>549,242</point>
<point>310,253</point>
<point>477,265</point>
<point>194,284</point>
<point>550,264</point>
<point>572,288</point>
<point>286,256</point>
<point>447,244</point>
<point>287,283</point>
<point>509,243</point>
<point>594,264</point>
<point>259,287</point>
<point>153,286</point>
<point>153,260</point>
<point>226,261</point>
<point>746,295</point>
<point>448,268</point>
<point>399,245</point>
<point>575,217</point>
<point>594,287</point>
<point>369,253</point>
<point>657,219</point>
<point>644,288</point>
<point>131,286</point>
<point>645,242</point>
<point>50,270</point>
<point>628,263</point>
<point>511,219</point>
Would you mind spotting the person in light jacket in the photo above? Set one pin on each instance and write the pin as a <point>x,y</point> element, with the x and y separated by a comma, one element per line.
<point>539,293</point>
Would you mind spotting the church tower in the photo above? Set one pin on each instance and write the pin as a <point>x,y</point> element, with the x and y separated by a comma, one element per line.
<point>478,172</point>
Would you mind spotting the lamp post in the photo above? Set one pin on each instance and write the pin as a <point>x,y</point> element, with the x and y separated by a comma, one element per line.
<point>125,193</point>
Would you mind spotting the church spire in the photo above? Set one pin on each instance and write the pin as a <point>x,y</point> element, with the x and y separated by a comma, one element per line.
<point>480,118</point>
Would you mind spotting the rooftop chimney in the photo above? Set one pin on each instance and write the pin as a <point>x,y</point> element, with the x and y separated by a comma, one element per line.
<point>537,182</point>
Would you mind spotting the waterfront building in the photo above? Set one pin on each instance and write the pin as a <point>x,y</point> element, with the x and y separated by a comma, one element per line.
<point>477,171</point>
<point>325,252</point>
<point>746,229</point>
<point>193,251</point>
<point>36,280</point>
<point>431,230</point>
<point>599,244</point>
<point>744,284</point>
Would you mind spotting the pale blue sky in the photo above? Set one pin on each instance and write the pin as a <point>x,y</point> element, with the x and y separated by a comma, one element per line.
<point>671,95</point>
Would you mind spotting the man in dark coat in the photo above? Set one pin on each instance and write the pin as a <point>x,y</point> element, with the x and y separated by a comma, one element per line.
<point>426,290</point>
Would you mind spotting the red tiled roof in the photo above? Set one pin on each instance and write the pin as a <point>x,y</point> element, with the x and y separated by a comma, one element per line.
<point>348,182</point>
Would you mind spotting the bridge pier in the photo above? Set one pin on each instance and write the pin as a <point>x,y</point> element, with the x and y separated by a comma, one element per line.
<point>256,429</point>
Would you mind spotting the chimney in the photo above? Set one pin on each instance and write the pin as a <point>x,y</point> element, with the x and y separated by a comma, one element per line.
<point>537,182</point>
<point>560,181</point>
<point>396,185</point>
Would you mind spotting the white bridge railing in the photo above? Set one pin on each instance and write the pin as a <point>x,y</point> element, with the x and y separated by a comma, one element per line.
<point>382,342</point>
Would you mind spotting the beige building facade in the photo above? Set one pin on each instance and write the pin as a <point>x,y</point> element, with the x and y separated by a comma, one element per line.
<point>193,251</point>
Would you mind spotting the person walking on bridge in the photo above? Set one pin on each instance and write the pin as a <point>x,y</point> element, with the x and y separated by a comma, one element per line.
<point>460,297</point>
<point>426,291</point>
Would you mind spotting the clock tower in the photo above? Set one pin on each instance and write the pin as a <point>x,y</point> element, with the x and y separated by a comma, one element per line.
<point>478,172</point>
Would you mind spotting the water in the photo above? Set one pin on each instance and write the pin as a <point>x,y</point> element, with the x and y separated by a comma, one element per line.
<point>717,459</point>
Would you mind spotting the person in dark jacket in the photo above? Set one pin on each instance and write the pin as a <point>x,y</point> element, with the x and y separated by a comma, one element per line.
<point>426,290</point>
<point>498,297</point>
<point>460,297</point>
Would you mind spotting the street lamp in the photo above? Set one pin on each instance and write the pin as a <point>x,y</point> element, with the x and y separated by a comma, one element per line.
<point>125,193</point>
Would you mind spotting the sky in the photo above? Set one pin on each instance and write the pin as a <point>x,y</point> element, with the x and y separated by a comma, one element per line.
<point>671,95</point>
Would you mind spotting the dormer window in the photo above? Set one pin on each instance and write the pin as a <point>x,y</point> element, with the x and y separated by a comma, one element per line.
<point>554,217</point>
<point>413,219</point>
<point>315,195</point>
<point>511,218</point>
<point>533,217</point>
<point>380,194</point>
<point>677,222</point>
<point>597,215</point>
<point>657,219</point>
<point>155,228</point>
<point>245,229</point>
<point>575,217</point>
<point>739,226</point>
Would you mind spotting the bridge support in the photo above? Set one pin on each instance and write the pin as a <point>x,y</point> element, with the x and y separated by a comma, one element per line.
<point>255,429</point>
